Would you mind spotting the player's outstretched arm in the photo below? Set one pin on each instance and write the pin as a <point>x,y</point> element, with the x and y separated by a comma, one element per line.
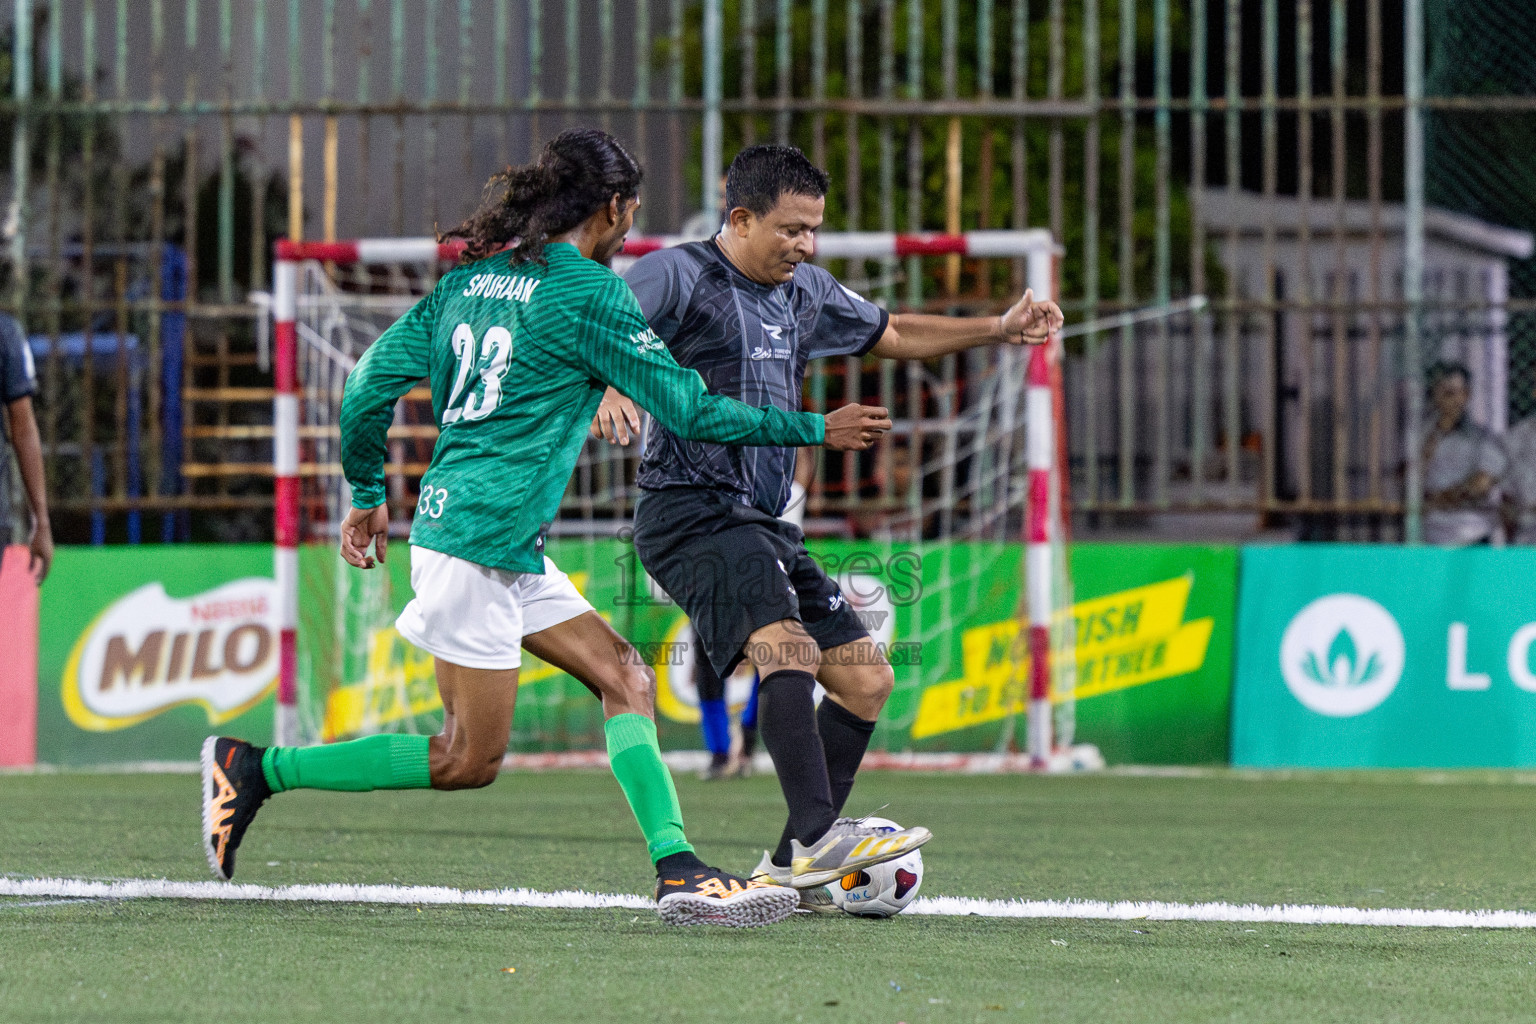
<point>680,401</point>
<point>851,428</point>
<point>921,336</point>
<point>620,349</point>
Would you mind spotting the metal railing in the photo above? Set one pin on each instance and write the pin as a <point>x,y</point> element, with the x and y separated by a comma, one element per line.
<point>157,138</point>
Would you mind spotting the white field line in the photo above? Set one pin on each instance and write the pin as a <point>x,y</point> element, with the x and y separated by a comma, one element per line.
<point>410,895</point>
<point>937,906</point>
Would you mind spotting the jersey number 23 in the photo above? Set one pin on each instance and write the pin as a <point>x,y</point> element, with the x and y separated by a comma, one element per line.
<point>490,358</point>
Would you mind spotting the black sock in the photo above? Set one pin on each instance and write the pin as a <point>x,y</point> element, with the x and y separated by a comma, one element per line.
<point>679,864</point>
<point>844,738</point>
<point>748,742</point>
<point>786,721</point>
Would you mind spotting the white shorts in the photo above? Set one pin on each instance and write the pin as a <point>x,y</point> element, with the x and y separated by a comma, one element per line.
<point>477,617</point>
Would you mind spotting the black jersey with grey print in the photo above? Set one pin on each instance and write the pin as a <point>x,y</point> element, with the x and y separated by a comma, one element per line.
<point>750,342</point>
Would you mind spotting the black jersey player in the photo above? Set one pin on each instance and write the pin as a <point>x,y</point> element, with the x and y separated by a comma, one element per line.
<point>747,311</point>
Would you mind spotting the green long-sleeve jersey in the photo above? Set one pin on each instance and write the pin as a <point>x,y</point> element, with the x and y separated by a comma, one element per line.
<point>518,356</point>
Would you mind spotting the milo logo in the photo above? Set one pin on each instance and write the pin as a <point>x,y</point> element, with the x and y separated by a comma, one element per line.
<point>149,652</point>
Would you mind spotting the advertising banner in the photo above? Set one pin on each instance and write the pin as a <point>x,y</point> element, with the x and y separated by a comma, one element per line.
<point>1152,630</point>
<point>1153,627</point>
<point>1386,657</point>
<point>146,649</point>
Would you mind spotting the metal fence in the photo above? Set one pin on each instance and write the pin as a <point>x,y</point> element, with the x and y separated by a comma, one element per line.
<point>1269,154</point>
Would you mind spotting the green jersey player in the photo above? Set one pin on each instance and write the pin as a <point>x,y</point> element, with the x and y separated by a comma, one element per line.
<point>518,344</point>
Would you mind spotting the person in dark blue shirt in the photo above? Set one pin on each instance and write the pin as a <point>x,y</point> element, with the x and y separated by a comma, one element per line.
<point>748,312</point>
<point>18,432</point>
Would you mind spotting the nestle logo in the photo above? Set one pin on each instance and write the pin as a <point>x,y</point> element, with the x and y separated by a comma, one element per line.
<point>213,611</point>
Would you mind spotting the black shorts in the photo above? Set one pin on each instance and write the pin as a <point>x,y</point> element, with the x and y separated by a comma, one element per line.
<point>735,569</point>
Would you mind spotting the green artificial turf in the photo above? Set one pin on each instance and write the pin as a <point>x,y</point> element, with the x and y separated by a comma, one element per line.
<point>1360,840</point>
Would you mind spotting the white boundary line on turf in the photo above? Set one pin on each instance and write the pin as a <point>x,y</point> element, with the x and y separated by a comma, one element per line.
<point>938,906</point>
<point>409,895</point>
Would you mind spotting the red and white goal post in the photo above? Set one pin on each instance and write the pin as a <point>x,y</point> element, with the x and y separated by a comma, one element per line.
<point>1045,511</point>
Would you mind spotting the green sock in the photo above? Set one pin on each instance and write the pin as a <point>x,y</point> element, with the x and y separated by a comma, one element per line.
<point>373,762</point>
<point>636,762</point>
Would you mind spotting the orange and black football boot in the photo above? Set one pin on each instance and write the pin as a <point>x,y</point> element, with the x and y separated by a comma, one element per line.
<point>234,788</point>
<point>711,896</point>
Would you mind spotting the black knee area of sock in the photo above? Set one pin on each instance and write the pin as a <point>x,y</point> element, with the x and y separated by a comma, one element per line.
<point>786,714</point>
<point>785,683</point>
<point>680,864</point>
<point>831,712</point>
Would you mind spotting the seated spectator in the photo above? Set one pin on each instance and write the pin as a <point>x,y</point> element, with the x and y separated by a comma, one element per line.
<point>1462,463</point>
<point>1519,483</point>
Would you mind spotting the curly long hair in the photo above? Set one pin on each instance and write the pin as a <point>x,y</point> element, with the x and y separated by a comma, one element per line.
<point>577,174</point>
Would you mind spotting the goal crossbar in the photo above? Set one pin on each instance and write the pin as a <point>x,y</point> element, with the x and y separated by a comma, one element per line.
<point>840,245</point>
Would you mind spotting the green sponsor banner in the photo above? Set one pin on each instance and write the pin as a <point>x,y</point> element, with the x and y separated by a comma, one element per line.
<point>1155,629</point>
<point>144,650</point>
<point>1385,657</point>
<point>1153,654</point>
<point>1152,637</point>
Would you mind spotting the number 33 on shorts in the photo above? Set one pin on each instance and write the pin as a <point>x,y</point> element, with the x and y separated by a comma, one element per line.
<point>432,501</point>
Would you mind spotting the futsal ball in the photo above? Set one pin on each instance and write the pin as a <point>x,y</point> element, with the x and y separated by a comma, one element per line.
<point>885,889</point>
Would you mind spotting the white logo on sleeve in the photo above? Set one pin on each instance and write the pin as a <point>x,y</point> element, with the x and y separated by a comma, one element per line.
<point>27,365</point>
<point>646,341</point>
<point>1342,655</point>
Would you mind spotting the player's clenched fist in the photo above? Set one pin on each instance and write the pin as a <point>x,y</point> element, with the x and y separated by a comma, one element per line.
<point>855,427</point>
<point>1030,322</point>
